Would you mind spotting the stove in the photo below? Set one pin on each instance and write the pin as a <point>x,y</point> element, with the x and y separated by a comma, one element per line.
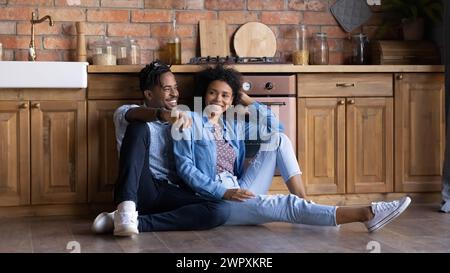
<point>234,60</point>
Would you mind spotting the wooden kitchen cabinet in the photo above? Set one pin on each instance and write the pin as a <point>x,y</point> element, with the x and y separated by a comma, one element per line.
<point>14,153</point>
<point>105,94</point>
<point>370,140</point>
<point>321,144</point>
<point>43,147</point>
<point>58,152</point>
<point>420,131</point>
<point>360,129</point>
<point>345,143</point>
<point>103,155</point>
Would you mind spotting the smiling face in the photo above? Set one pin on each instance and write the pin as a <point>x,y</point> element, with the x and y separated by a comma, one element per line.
<point>219,96</point>
<point>165,95</point>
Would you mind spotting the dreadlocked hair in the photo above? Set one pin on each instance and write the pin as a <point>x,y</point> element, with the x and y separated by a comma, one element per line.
<point>149,76</point>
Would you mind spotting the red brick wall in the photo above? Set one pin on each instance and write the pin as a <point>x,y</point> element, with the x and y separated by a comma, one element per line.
<point>149,22</point>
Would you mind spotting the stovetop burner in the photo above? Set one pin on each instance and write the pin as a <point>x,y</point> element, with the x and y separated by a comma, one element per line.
<point>234,60</point>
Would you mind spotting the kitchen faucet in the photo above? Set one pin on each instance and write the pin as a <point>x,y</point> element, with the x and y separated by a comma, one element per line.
<point>32,47</point>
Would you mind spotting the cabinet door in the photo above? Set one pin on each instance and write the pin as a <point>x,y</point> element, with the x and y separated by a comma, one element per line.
<point>58,152</point>
<point>14,153</point>
<point>321,144</point>
<point>103,155</point>
<point>370,145</point>
<point>420,131</point>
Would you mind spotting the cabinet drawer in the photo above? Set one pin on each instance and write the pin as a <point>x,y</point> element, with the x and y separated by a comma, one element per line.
<point>113,86</point>
<point>126,86</point>
<point>345,85</point>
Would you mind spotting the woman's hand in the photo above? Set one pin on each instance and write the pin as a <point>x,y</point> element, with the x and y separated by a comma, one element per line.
<point>239,195</point>
<point>213,111</point>
<point>244,99</point>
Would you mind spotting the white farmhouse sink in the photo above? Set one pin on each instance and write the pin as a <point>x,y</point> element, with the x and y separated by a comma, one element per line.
<point>43,74</point>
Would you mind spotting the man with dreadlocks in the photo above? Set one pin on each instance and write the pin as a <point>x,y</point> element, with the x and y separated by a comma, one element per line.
<point>148,193</point>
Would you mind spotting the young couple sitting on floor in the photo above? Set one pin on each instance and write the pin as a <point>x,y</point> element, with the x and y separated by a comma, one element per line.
<point>182,170</point>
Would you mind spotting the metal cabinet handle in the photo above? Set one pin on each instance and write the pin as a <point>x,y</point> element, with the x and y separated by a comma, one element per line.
<point>341,102</point>
<point>36,105</point>
<point>345,84</point>
<point>352,101</point>
<point>400,77</point>
<point>23,105</point>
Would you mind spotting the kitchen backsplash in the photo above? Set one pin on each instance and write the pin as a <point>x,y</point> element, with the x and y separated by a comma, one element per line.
<point>149,22</point>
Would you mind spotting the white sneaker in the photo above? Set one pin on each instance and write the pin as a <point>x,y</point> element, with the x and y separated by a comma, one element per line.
<point>445,207</point>
<point>385,212</point>
<point>103,223</point>
<point>125,223</point>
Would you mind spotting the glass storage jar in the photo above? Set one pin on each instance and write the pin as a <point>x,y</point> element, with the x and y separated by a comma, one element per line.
<point>320,54</point>
<point>134,52</point>
<point>301,55</point>
<point>122,47</point>
<point>128,52</point>
<point>360,47</point>
<point>103,52</point>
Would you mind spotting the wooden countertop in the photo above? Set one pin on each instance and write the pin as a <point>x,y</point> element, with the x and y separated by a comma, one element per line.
<point>281,68</point>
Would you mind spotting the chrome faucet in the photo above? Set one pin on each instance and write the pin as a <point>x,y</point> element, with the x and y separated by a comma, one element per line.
<point>32,47</point>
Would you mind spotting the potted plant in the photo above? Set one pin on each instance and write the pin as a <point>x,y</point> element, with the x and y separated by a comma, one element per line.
<point>413,14</point>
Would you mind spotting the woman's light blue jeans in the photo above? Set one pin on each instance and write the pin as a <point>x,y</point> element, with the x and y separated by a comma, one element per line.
<point>264,208</point>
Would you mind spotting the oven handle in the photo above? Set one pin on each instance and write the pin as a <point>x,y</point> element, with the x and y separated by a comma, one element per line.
<point>270,103</point>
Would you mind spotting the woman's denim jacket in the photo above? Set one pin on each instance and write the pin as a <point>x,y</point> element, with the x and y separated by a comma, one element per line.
<point>195,148</point>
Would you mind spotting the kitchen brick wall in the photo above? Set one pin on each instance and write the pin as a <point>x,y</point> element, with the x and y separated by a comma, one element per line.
<point>149,22</point>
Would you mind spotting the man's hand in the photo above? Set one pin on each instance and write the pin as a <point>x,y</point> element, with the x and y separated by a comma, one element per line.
<point>180,119</point>
<point>239,195</point>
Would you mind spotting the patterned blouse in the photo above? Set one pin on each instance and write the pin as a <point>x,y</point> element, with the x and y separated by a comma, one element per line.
<point>225,152</point>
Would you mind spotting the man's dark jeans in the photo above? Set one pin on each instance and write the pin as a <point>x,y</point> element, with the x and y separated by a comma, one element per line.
<point>161,206</point>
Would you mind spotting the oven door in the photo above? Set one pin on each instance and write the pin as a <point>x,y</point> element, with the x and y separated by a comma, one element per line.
<point>285,109</point>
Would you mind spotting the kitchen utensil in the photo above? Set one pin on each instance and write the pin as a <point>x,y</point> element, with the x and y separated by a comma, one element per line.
<point>81,41</point>
<point>213,38</point>
<point>351,13</point>
<point>255,39</point>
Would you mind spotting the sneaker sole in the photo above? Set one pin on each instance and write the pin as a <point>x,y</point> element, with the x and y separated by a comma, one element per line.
<point>391,216</point>
<point>126,232</point>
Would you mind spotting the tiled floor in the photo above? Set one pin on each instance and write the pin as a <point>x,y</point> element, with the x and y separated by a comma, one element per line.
<point>420,229</point>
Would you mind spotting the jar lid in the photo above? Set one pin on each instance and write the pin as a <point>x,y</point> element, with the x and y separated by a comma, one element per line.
<point>360,35</point>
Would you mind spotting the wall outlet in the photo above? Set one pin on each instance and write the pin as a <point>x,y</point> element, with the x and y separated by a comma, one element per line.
<point>374,2</point>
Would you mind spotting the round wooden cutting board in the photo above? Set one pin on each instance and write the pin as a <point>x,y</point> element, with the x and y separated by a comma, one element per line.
<point>255,39</point>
